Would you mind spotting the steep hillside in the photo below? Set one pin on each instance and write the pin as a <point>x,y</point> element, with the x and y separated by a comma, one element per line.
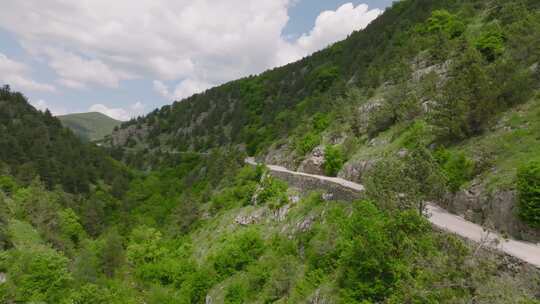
<point>429,80</point>
<point>436,101</point>
<point>35,144</point>
<point>90,126</point>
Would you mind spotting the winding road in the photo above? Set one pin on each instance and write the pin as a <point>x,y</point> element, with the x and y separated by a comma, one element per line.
<point>442,219</point>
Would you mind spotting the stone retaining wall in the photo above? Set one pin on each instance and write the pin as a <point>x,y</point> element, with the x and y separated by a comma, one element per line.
<point>307,183</point>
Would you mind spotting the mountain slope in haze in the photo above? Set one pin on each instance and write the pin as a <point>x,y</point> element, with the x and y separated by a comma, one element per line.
<point>90,126</point>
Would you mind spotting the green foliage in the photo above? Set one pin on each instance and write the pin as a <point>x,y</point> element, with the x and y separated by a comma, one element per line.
<point>307,143</point>
<point>145,246</point>
<point>529,193</point>
<point>38,274</point>
<point>70,225</point>
<point>274,192</point>
<point>235,294</point>
<point>442,21</point>
<point>35,144</point>
<point>90,126</point>
<point>320,122</point>
<point>89,294</point>
<point>333,160</point>
<point>321,251</point>
<point>417,136</point>
<point>112,253</point>
<point>368,272</point>
<point>491,42</point>
<point>323,77</point>
<point>237,252</point>
<point>22,235</point>
<point>8,185</point>
<point>457,168</point>
<point>407,182</point>
<point>468,100</point>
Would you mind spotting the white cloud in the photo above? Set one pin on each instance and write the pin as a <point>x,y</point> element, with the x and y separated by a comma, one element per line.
<point>192,43</point>
<point>16,75</point>
<point>136,109</point>
<point>184,89</point>
<point>42,105</point>
<point>77,72</point>
<point>330,27</point>
<point>161,89</point>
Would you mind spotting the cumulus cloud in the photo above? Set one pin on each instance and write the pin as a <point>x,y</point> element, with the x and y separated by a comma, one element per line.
<point>16,73</point>
<point>184,89</point>
<point>123,114</point>
<point>194,44</point>
<point>330,27</point>
<point>77,72</point>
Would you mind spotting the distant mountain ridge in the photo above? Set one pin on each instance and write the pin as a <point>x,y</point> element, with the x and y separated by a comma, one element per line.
<point>90,126</point>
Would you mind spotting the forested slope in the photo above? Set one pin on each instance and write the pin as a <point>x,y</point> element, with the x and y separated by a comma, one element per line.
<point>433,98</point>
<point>439,87</point>
<point>33,143</point>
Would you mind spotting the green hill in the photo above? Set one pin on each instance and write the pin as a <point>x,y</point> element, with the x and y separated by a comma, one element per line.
<point>435,101</point>
<point>90,126</point>
<point>35,144</point>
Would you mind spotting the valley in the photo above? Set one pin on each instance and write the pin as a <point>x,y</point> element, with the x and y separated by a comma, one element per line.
<point>399,165</point>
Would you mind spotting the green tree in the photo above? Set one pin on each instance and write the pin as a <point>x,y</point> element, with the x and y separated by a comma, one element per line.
<point>333,160</point>
<point>145,246</point>
<point>528,182</point>
<point>70,226</point>
<point>112,255</point>
<point>237,252</point>
<point>443,22</point>
<point>39,274</point>
<point>491,42</point>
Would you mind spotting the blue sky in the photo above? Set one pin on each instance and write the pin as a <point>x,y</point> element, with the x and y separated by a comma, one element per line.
<point>125,59</point>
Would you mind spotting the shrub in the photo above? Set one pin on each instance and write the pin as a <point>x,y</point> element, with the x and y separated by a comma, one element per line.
<point>528,182</point>
<point>441,21</point>
<point>491,42</point>
<point>8,184</point>
<point>308,143</point>
<point>323,77</point>
<point>274,193</point>
<point>416,136</point>
<point>145,246</point>
<point>236,293</point>
<point>333,160</point>
<point>320,122</point>
<point>39,275</point>
<point>457,168</point>
<point>238,252</point>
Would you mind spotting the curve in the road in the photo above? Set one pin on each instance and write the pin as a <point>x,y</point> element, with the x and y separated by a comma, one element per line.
<point>442,219</point>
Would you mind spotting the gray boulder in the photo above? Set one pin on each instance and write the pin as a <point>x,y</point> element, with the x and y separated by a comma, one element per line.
<point>313,164</point>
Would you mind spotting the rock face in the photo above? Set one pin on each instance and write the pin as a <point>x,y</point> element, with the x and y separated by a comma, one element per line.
<point>318,298</point>
<point>364,113</point>
<point>355,170</point>
<point>314,162</point>
<point>280,156</point>
<point>3,278</point>
<point>250,219</point>
<point>497,211</point>
<point>121,137</point>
